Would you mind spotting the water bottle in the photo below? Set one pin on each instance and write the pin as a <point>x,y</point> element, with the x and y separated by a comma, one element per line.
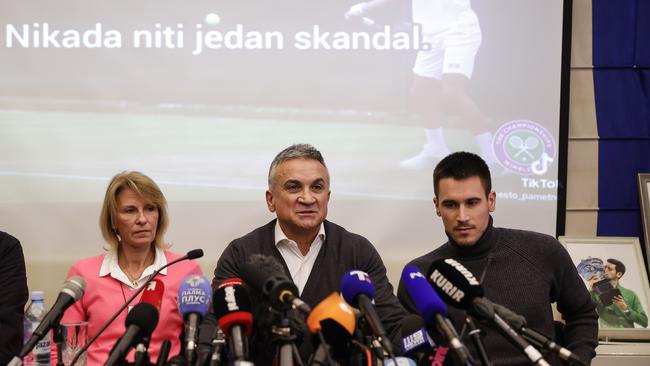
<point>40,354</point>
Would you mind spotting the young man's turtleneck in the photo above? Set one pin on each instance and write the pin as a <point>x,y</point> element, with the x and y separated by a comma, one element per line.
<point>480,249</point>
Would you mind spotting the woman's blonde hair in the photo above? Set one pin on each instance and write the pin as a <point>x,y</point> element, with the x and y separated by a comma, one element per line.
<point>146,188</point>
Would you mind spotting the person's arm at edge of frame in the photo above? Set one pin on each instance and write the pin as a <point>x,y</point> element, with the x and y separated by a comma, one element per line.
<point>13,279</point>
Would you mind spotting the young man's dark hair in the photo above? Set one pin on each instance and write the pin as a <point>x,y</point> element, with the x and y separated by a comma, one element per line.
<point>620,267</point>
<point>462,165</point>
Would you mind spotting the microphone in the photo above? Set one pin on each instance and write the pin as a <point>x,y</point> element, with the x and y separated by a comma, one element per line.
<point>140,323</point>
<point>164,352</point>
<point>539,340</point>
<point>194,296</point>
<point>433,309</point>
<point>192,254</point>
<point>266,275</point>
<point>334,321</point>
<point>72,291</point>
<point>416,342</point>
<point>357,290</point>
<point>477,338</point>
<point>232,307</point>
<point>153,293</point>
<point>218,343</point>
<point>458,286</point>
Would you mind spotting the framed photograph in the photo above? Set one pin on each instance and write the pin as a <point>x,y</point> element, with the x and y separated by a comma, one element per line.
<point>644,200</point>
<point>613,271</point>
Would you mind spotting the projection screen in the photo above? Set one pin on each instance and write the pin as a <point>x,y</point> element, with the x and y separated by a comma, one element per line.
<point>201,95</point>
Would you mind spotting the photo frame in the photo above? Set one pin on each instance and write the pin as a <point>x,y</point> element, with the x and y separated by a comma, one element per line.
<point>590,256</point>
<point>643,180</point>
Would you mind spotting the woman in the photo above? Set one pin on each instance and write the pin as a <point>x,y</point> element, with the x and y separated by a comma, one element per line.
<point>133,221</point>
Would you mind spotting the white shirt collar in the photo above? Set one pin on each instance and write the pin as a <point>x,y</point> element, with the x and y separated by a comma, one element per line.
<point>299,265</point>
<point>111,267</point>
<point>281,237</point>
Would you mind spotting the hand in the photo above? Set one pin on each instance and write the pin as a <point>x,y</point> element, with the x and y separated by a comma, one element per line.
<point>593,280</point>
<point>356,11</point>
<point>618,301</point>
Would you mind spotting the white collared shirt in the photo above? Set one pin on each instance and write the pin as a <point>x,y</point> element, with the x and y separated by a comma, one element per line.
<point>300,266</point>
<point>111,267</point>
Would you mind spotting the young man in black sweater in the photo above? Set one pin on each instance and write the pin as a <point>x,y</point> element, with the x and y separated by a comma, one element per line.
<point>521,270</point>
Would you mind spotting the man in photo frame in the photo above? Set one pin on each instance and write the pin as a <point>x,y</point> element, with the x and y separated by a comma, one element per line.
<point>623,309</point>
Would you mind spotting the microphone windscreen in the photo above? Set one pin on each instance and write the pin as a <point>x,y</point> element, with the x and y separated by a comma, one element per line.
<point>454,283</point>
<point>415,337</point>
<point>332,307</point>
<point>482,309</point>
<point>153,293</point>
<point>232,306</point>
<point>423,295</point>
<point>75,286</point>
<point>194,295</point>
<point>253,276</point>
<point>515,320</point>
<point>259,269</point>
<point>194,253</point>
<point>355,283</point>
<point>145,316</point>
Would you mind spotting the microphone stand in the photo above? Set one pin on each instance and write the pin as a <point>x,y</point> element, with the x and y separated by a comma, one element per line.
<point>477,338</point>
<point>286,352</point>
<point>59,340</point>
<point>192,254</point>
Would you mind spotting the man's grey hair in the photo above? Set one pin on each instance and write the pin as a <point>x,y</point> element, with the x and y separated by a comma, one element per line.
<point>297,151</point>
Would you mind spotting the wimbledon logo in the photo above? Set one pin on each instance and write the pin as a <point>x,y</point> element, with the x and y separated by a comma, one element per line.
<point>524,147</point>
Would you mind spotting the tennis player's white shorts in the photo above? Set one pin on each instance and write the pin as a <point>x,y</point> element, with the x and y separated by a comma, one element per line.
<point>452,51</point>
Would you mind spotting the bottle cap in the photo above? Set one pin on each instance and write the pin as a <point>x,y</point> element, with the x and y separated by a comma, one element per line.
<point>38,295</point>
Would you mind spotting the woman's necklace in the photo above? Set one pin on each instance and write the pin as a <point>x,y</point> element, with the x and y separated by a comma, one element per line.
<point>133,279</point>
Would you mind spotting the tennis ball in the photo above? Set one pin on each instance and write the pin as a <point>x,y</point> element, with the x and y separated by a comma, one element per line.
<point>212,19</point>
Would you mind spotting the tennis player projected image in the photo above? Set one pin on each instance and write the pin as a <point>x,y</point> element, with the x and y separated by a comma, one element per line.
<point>201,96</point>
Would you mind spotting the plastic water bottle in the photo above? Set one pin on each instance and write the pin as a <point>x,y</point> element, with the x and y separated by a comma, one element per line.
<point>40,355</point>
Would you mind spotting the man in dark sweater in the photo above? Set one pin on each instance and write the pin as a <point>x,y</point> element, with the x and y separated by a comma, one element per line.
<point>13,281</point>
<point>521,270</point>
<point>314,252</point>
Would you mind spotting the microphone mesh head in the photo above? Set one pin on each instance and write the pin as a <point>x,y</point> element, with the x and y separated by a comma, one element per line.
<point>77,285</point>
<point>145,316</point>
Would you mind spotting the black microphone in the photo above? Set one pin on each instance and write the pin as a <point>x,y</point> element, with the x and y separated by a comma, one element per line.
<point>72,291</point>
<point>140,323</point>
<point>357,290</point>
<point>164,352</point>
<point>192,254</point>
<point>266,275</point>
<point>519,322</point>
<point>416,342</point>
<point>232,307</point>
<point>460,288</point>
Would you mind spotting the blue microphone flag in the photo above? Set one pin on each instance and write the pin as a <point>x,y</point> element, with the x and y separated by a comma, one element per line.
<point>194,295</point>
